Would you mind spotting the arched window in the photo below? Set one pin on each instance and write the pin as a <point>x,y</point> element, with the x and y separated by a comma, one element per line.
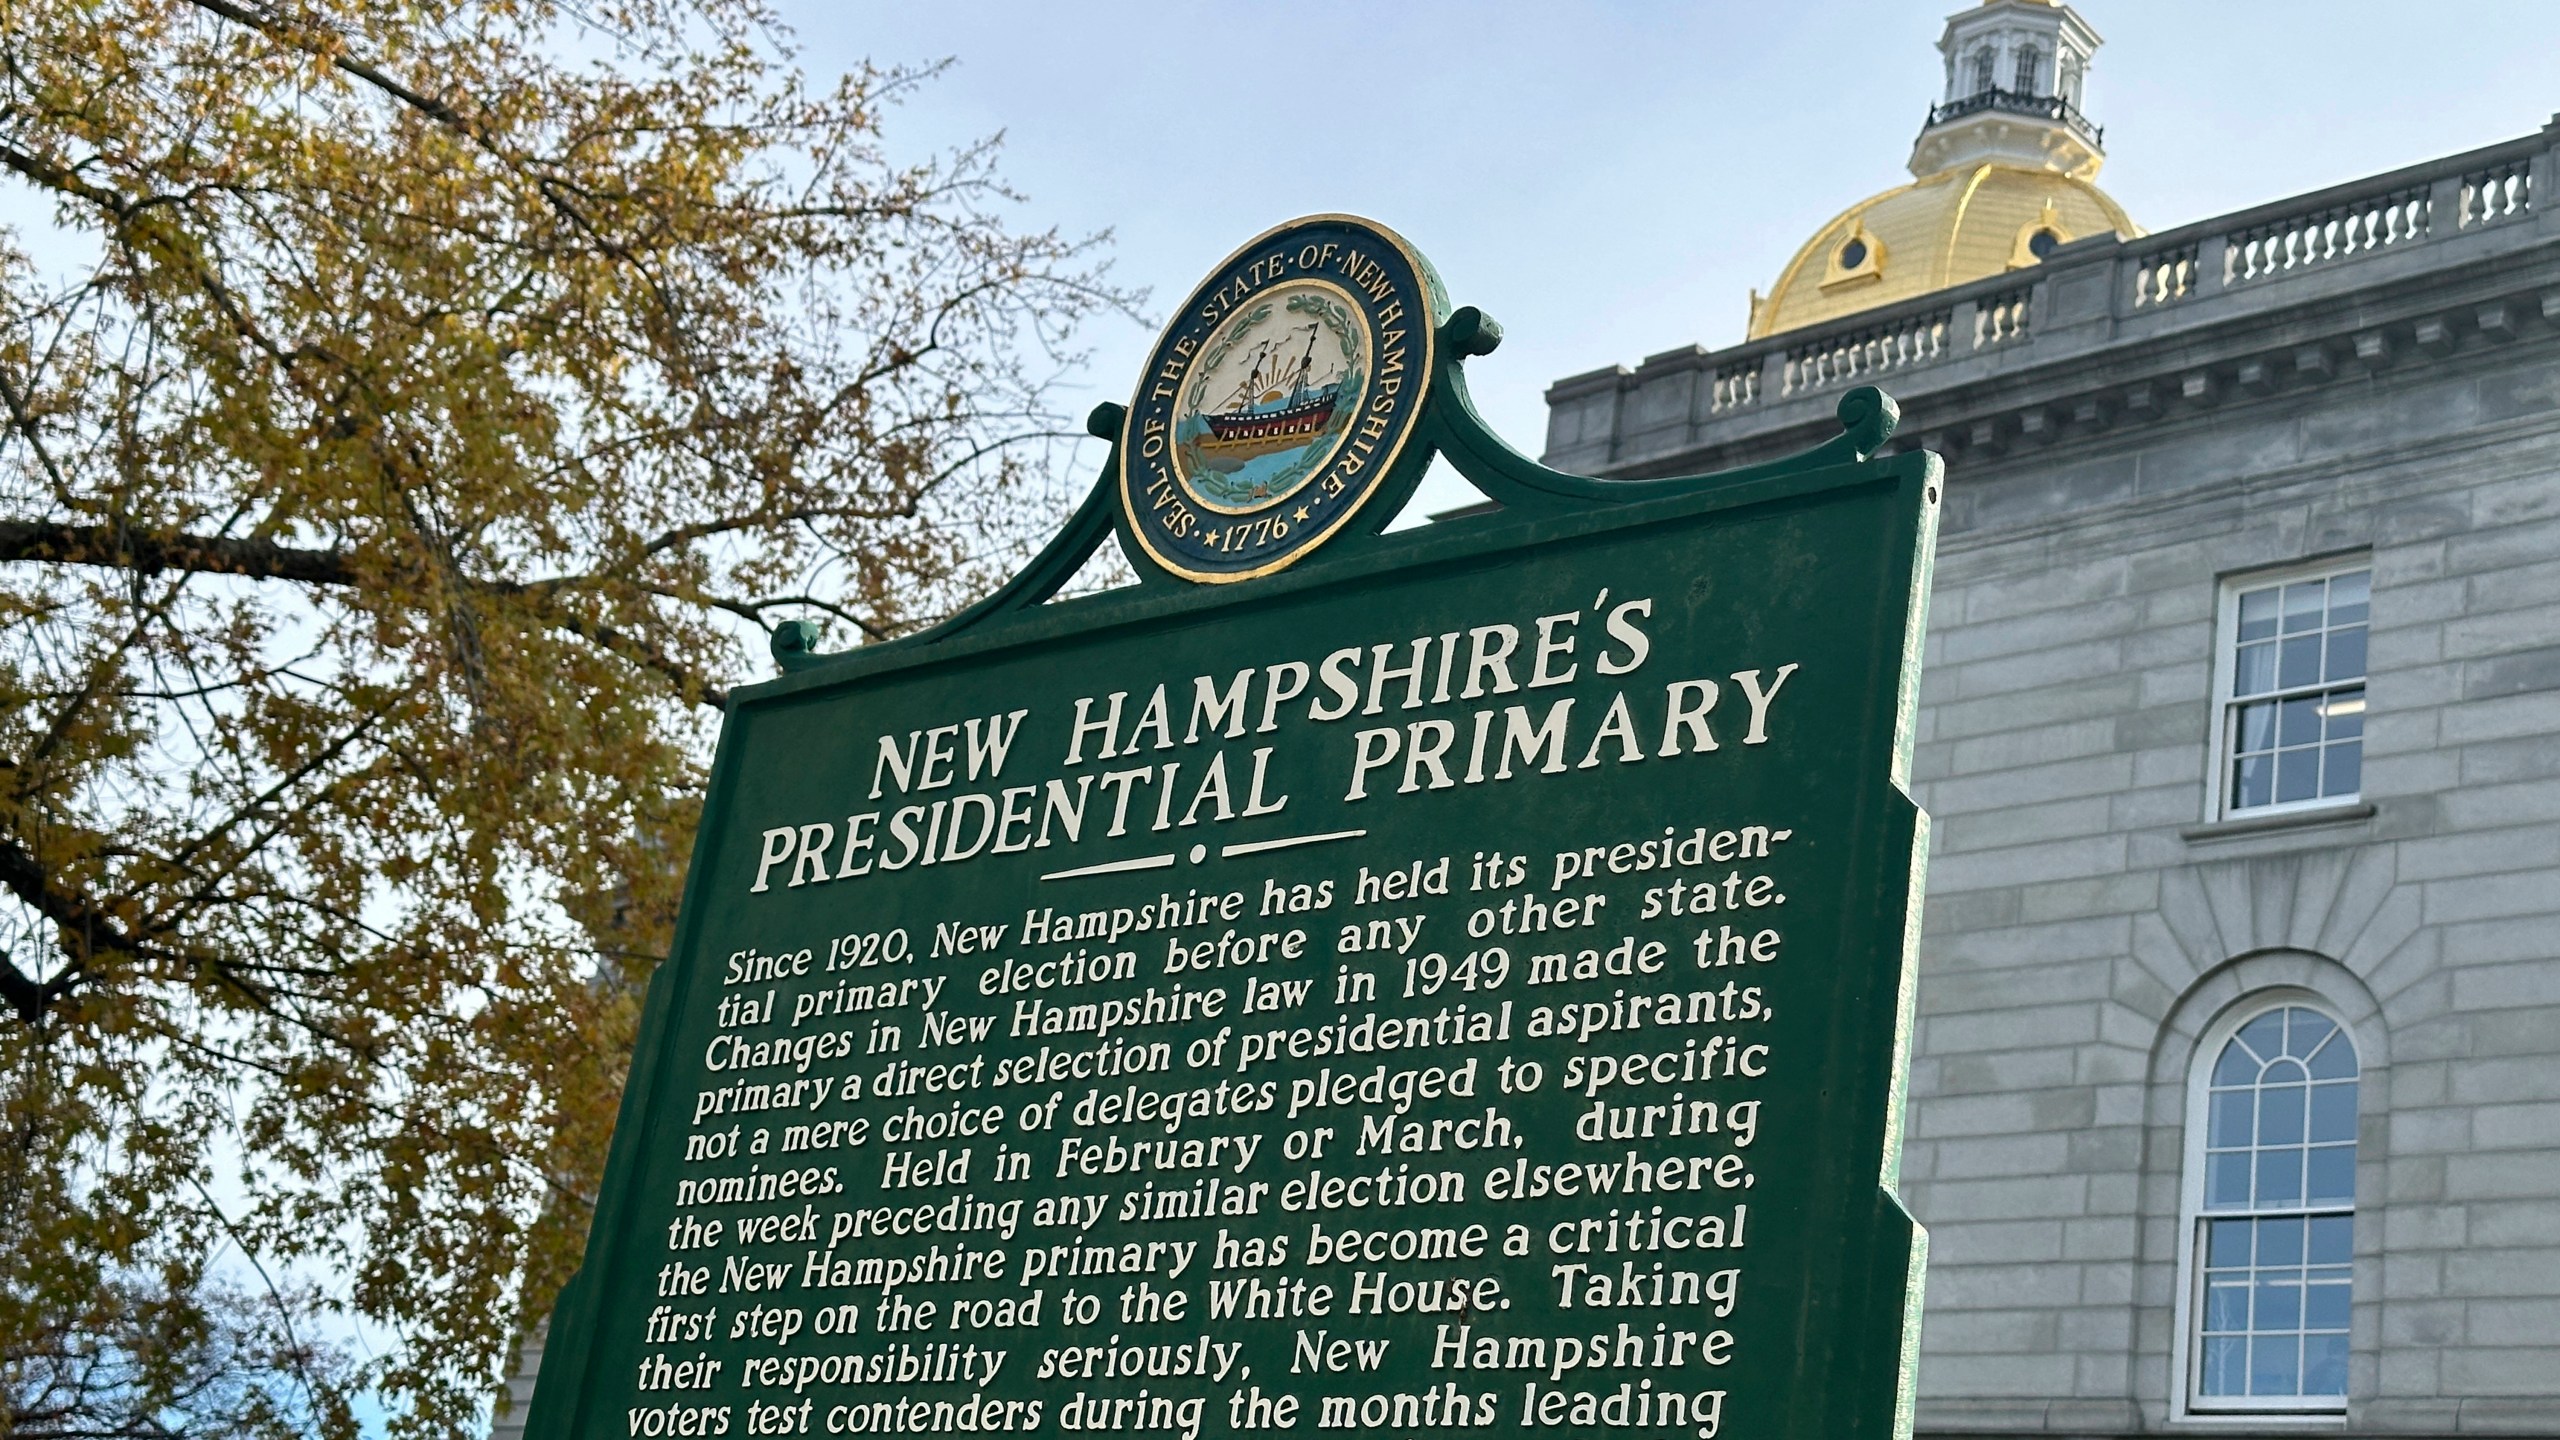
<point>2271,1182</point>
<point>2030,66</point>
<point>2069,85</point>
<point>1986,74</point>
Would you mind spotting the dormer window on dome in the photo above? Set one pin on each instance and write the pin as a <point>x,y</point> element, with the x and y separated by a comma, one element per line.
<point>2039,237</point>
<point>1858,259</point>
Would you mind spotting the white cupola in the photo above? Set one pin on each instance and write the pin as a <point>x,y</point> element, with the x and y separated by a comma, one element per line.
<point>2015,76</point>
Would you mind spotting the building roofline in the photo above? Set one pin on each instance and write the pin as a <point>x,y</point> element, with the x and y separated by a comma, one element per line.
<point>2407,176</point>
<point>2402,266</point>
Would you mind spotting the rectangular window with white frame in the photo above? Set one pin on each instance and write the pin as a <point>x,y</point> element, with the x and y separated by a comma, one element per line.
<point>2289,696</point>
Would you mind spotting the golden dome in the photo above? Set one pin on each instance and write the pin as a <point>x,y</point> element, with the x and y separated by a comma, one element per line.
<point>2006,170</point>
<point>1958,224</point>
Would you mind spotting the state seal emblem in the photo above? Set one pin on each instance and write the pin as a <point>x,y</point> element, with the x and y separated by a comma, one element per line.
<point>1280,400</point>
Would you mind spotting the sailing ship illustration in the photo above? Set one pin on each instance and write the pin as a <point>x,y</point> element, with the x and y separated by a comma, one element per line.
<point>1279,405</point>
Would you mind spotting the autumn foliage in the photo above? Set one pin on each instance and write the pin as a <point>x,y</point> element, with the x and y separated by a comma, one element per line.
<point>412,415</point>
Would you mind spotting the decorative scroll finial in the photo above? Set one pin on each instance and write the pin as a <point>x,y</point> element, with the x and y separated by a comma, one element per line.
<point>795,644</point>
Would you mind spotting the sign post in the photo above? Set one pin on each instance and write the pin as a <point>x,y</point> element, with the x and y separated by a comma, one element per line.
<point>1458,979</point>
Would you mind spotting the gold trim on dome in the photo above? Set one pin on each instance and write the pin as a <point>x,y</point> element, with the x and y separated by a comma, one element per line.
<point>1955,225</point>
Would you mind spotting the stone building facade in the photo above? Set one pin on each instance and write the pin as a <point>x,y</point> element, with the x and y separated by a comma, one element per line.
<point>2236,1107</point>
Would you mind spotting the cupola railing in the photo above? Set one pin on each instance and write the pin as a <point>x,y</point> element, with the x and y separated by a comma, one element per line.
<point>2019,102</point>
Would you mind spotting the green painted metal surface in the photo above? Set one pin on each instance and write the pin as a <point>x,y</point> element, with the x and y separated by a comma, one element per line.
<point>1476,995</point>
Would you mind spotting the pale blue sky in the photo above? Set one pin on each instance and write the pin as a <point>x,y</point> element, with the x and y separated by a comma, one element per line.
<point>1609,180</point>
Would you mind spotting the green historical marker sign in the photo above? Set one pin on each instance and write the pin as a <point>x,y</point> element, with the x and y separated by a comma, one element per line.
<point>1451,980</point>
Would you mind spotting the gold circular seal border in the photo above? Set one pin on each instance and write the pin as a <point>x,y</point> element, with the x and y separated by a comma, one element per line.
<point>1430,327</point>
<point>1369,342</point>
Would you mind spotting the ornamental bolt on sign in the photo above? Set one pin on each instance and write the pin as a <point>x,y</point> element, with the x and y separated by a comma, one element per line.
<point>1450,980</point>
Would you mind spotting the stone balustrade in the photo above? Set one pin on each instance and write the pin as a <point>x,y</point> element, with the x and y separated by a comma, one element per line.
<point>2497,193</point>
<point>2360,225</point>
<point>1856,356</point>
<point>1737,385</point>
<point>2003,319</point>
<point>2164,274</point>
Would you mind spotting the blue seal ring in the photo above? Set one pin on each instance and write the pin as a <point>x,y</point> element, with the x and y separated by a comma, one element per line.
<point>1280,399</point>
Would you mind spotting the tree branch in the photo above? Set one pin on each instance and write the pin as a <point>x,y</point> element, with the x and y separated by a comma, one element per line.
<point>144,552</point>
<point>82,924</point>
